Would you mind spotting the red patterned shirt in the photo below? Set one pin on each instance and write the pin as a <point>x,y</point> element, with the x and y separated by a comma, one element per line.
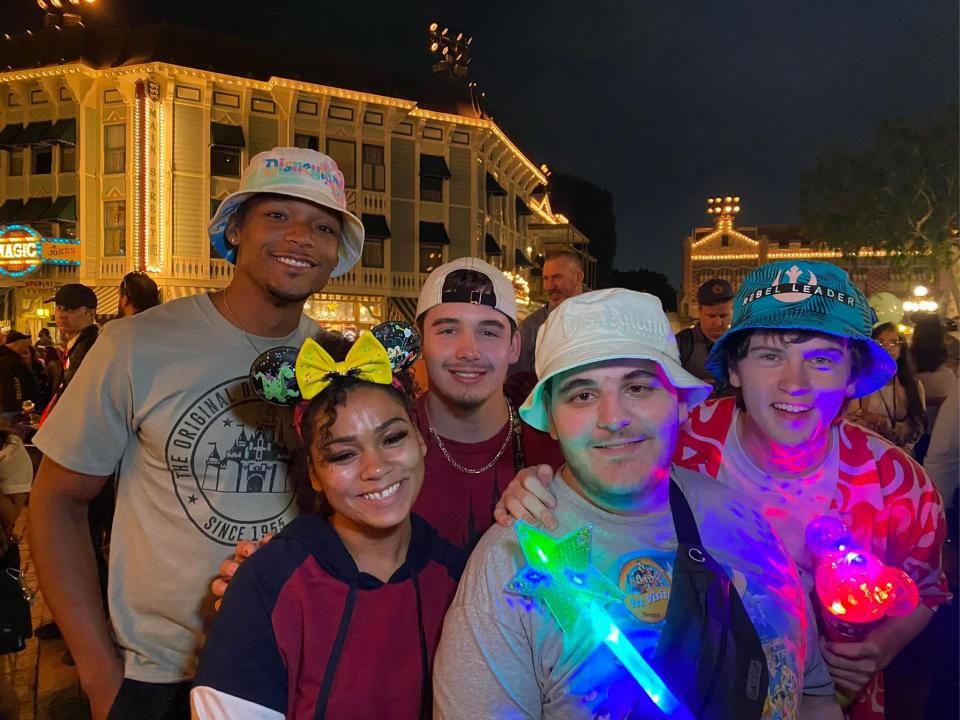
<point>886,499</point>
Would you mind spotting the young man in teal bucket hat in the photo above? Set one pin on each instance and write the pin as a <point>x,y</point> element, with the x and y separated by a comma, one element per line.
<point>798,348</point>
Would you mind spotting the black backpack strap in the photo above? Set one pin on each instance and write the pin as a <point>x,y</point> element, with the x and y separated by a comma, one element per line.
<point>683,520</point>
<point>685,345</point>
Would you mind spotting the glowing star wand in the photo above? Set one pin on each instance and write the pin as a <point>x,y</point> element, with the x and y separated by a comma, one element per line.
<point>559,573</point>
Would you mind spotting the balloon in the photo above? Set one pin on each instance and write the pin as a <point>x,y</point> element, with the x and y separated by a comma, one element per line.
<point>826,534</point>
<point>888,308</point>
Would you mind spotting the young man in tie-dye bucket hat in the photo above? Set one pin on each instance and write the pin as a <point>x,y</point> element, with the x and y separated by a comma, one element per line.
<point>798,348</point>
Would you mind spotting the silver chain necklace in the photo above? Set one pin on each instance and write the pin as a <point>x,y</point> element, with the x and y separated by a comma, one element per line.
<point>236,321</point>
<point>477,471</point>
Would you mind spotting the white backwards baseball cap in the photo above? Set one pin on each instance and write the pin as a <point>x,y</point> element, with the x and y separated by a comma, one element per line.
<point>614,324</point>
<point>503,297</point>
<point>298,173</point>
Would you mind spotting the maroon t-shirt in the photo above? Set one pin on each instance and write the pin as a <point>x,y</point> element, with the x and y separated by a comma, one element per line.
<point>458,504</point>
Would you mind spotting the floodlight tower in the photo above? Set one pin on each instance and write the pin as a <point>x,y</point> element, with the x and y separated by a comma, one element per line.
<point>61,13</point>
<point>452,49</point>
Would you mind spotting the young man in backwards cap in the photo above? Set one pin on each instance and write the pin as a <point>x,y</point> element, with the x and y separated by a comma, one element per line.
<point>702,587</point>
<point>164,398</point>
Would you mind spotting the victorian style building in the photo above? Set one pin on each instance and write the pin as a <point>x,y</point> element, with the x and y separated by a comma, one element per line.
<point>117,146</point>
<point>728,251</point>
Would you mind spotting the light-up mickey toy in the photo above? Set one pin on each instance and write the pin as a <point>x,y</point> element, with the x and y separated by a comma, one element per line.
<point>855,588</point>
<point>559,573</point>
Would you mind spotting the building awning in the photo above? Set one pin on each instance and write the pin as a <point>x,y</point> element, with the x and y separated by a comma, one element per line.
<point>433,233</point>
<point>376,226</point>
<point>434,166</point>
<point>35,209</point>
<point>63,209</point>
<point>108,298</point>
<point>522,260</point>
<point>33,133</point>
<point>9,134</point>
<point>491,246</point>
<point>228,136</point>
<point>9,210</point>
<point>493,187</point>
<point>522,208</point>
<point>63,132</point>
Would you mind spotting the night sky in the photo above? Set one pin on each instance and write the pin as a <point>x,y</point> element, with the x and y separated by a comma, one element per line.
<point>660,103</point>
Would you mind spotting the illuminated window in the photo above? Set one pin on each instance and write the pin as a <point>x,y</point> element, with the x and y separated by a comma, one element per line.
<point>344,154</point>
<point>374,171</point>
<point>431,257</point>
<point>68,158</point>
<point>114,228</point>
<point>373,253</point>
<point>41,160</point>
<point>114,149</point>
<point>16,163</point>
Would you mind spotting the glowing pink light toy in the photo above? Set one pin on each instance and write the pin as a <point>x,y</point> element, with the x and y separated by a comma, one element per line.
<point>855,587</point>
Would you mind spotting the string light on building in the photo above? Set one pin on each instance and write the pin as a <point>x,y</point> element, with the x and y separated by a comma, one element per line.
<point>61,13</point>
<point>520,285</point>
<point>724,207</point>
<point>452,49</point>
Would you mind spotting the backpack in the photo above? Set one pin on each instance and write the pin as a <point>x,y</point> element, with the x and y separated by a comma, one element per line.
<point>685,345</point>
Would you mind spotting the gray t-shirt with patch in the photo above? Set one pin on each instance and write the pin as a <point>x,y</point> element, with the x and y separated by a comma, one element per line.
<point>163,399</point>
<point>503,656</point>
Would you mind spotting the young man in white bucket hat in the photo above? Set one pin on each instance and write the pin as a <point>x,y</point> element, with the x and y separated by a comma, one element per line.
<point>165,398</point>
<point>702,586</point>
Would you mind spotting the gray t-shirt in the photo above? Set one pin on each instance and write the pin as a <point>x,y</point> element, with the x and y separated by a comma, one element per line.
<point>503,656</point>
<point>163,399</point>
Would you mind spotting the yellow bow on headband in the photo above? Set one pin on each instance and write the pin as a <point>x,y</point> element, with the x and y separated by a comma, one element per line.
<point>367,360</point>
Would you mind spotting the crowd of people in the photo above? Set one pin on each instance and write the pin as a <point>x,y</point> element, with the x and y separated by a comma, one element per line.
<point>295,534</point>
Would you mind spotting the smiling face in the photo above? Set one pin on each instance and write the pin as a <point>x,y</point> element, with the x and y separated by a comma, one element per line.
<point>562,278</point>
<point>369,465</point>
<point>285,246</point>
<point>793,386</point>
<point>617,423</point>
<point>467,349</point>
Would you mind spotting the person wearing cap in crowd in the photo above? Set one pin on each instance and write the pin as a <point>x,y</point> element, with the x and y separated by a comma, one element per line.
<point>44,338</point>
<point>612,391</point>
<point>17,381</point>
<point>75,313</point>
<point>138,292</point>
<point>562,279</point>
<point>715,308</point>
<point>202,462</point>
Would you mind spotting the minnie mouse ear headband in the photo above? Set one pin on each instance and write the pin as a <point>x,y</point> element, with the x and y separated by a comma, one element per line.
<point>286,376</point>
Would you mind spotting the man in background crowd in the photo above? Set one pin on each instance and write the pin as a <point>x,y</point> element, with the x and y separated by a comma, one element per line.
<point>715,300</point>
<point>138,292</point>
<point>562,278</point>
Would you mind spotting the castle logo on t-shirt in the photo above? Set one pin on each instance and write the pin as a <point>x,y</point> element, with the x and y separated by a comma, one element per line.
<point>229,457</point>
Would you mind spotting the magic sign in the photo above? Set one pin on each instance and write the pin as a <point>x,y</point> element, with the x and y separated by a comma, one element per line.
<point>23,250</point>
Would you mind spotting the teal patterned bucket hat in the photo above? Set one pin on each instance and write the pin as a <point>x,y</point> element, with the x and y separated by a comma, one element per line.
<point>811,296</point>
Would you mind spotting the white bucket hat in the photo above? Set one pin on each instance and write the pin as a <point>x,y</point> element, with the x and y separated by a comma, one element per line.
<point>298,173</point>
<point>614,324</point>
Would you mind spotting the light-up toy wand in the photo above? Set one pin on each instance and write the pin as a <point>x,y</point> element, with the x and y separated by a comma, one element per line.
<point>558,572</point>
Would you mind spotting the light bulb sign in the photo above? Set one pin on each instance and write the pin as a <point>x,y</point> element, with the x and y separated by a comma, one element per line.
<point>23,250</point>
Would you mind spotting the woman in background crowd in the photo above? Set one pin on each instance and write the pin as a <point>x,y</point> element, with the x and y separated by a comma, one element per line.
<point>896,411</point>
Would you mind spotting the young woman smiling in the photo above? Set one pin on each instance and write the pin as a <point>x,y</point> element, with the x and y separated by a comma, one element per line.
<point>340,614</point>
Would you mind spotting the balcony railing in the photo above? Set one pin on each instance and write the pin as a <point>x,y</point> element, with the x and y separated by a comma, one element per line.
<point>188,268</point>
<point>221,271</point>
<point>113,268</point>
<point>373,202</point>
